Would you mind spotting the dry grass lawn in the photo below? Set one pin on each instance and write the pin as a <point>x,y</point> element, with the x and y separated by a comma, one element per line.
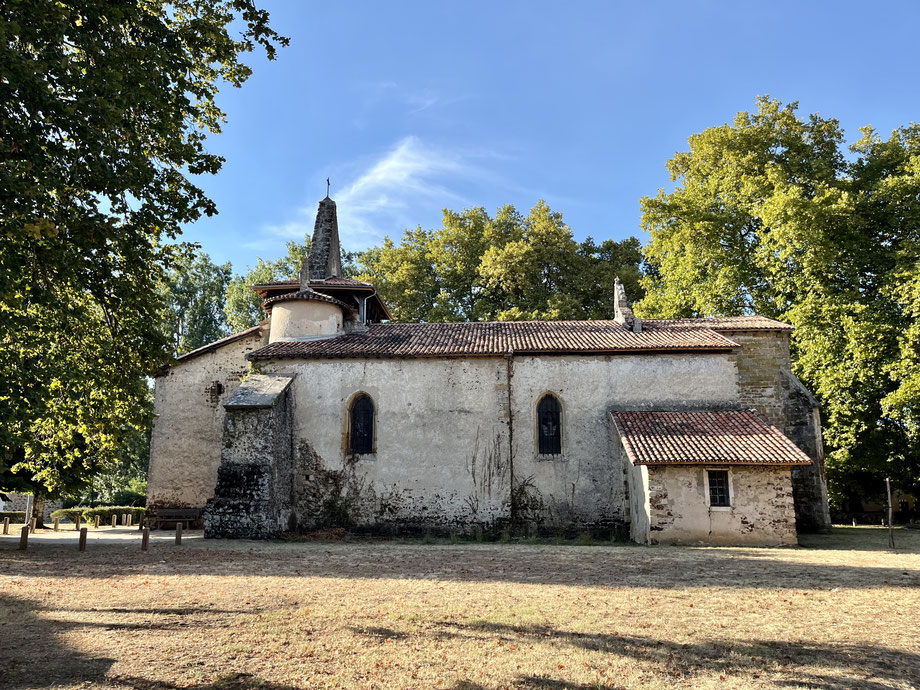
<point>842,613</point>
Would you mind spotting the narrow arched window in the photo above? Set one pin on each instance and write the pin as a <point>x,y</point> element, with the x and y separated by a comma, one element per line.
<point>549,430</point>
<point>361,436</point>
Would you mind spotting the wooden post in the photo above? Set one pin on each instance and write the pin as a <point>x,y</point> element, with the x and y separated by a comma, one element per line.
<point>96,522</point>
<point>57,524</point>
<point>76,524</point>
<point>890,514</point>
<point>32,524</point>
<point>145,539</point>
<point>114,520</point>
<point>178,533</point>
<point>124,518</point>
<point>24,538</point>
<point>6,525</point>
<point>82,539</point>
<point>130,519</point>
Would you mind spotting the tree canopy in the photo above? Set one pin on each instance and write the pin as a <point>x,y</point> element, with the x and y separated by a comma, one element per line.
<point>508,267</point>
<point>195,295</point>
<point>104,112</point>
<point>774,214</point>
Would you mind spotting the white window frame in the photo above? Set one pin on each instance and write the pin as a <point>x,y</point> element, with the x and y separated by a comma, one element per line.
<point>731,489</point>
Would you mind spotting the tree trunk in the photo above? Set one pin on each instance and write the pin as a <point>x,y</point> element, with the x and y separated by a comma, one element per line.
<point>38,510</point>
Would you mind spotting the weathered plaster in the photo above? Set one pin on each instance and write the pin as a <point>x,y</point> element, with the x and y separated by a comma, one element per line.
<point>761,514</point>
<point>185,444</point>
<point>301,318</point>
<point>443,451</point>
<point>585,486</point>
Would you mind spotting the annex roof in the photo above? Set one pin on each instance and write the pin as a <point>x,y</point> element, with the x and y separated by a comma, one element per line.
<point>724,323</point>
<point>724,437</point>
<point>497,338</point>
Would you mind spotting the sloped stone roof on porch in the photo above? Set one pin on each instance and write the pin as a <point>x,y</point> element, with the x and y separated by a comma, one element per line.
<point>723,437</point>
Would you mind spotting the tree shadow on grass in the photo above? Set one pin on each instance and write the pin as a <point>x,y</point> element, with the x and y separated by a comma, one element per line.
<point>665,567</point>
<point>230,681</point>
<point>34,654</point>
<point>839,666</point>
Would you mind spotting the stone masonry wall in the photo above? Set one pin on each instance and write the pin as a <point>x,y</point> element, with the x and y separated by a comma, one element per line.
<point>767,385</point>
<point>761,514</point>
<point>253,494</point>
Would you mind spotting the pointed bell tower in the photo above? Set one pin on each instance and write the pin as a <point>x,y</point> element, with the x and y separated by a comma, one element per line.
<point>325,257</point>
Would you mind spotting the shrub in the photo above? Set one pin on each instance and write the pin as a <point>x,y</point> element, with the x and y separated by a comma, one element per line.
<point>129,497</point>
<point>105,513</point>
<point>15,516</point>
<point>72,514</point>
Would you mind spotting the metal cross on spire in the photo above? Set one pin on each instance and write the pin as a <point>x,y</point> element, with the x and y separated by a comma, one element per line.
<point>327,186</point>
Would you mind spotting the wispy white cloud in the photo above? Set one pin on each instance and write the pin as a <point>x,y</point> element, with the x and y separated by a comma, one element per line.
<point>407,185</point>
<point>409,177</point>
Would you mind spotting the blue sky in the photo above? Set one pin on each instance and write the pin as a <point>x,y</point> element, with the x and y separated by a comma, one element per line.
<point>411,107</point>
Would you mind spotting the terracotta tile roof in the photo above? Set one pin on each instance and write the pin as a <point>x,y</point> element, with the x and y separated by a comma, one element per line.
<point>725,323</point>
<point>332,281</point>
<point>725,437</point>
<point>304,295</point>
<point>496,338</point>
<point>344,282</point>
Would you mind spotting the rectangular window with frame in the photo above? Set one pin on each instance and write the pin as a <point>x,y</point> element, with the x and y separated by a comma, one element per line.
<point>719,496</point>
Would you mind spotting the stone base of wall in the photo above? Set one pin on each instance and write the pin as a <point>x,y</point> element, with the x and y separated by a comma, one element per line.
<point>238,519</point>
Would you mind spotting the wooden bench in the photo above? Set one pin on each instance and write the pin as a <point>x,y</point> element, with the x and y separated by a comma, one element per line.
<point>155,517</point>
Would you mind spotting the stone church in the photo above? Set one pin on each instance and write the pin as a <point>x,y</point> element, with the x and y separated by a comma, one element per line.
<point>326,414</point>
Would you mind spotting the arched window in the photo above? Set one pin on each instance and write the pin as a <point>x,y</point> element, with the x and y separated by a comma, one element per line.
<point>549,429</point>
<point>361,434</point>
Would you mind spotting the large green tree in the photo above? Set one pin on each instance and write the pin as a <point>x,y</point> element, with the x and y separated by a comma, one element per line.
<point>243,307</point>
<point>104,111</point>
<point>773,214</point>
<point>479,267</point>
<point>195,295</point>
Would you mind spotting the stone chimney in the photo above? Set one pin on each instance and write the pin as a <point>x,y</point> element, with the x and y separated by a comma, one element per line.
<point>325,256</point>
<point>622,313</point>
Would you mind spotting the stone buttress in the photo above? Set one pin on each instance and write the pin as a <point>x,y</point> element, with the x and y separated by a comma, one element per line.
<point>253,498</point>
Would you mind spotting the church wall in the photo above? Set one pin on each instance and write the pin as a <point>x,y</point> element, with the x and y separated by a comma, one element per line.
<point>586,485</point>
<point>767,385</point>
<point>185,443</point>
<point>441,443</point>
<point>761,514</point>
<point>443,448</point>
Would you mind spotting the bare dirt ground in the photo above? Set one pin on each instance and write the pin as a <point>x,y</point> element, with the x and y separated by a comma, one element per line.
<point>843,612</point>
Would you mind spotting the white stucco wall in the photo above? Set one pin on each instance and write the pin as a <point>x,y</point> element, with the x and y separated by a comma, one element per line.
<point>442,433</point>
<point>301,318</point>
<point>586,485</point>
<point>761,514</point>
<point>185,443</point>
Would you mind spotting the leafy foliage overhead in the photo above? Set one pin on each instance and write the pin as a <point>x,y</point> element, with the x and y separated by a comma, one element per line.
<point>195,295</point>
<point>772,214</point>
<point>507,267</point>
<point>104,110</point>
